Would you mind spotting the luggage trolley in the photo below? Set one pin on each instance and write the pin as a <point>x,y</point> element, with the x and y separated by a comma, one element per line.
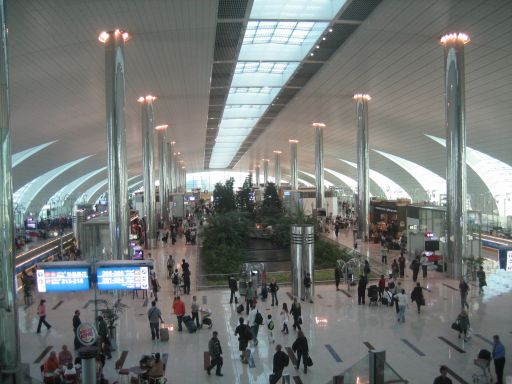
<point>483,361</point>
<point>205,314</point>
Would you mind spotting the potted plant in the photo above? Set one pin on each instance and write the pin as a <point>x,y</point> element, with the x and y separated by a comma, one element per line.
<point>110,311</point>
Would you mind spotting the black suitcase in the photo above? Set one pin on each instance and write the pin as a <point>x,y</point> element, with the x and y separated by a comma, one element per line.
<point>240,309</point>
<point>189,324</point>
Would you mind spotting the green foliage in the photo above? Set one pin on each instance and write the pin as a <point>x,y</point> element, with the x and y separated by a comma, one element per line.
<point>271,208</point>
<point>326,254</point>
<point>282,225</point>
<point>225,243</point>
<point>245,197</point>
<point>223,197</point>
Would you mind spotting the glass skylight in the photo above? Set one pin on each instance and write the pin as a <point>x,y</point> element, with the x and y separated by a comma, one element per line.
<point>99,188</point>
<point>243,111</point>
<point>23,155</point>
<point>432,183</point>
<point>391,189</point>
<point>26,194</point>
<point>253,96</point>
<point>495,174</point>
<point>279,40</point>
<point>296,9</point>
<point>278,36</point>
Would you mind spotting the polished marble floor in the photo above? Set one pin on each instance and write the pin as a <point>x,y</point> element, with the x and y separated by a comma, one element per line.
<point>414,348</point>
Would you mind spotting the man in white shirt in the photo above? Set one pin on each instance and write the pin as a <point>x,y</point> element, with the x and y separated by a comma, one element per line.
<point>424,264</point>
<point>402,304</point>
<point>251,322</point>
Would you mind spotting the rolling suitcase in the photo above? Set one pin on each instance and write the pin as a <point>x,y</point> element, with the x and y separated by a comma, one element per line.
<point>206,359</point>
<point>164,333</point>
<point>190,324</point>
<point>240,308</point>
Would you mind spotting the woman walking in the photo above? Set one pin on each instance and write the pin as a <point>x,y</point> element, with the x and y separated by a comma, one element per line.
<point>463,322</point>
<point>300,346</point>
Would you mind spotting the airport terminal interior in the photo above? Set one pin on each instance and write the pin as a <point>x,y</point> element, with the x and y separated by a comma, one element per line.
<point>383,124</point>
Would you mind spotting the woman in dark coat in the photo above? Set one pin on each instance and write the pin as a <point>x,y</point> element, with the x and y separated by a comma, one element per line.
<point>300,346</point>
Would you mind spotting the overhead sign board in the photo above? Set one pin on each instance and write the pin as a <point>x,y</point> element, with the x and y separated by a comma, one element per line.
<point>123,275</point>
<point>62,277</point>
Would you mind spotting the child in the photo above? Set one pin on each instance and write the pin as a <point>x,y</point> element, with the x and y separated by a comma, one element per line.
<point>270,327</point>
<point>285,317</point>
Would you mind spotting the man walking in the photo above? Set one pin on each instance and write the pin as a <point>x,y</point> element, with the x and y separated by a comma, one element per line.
<point>244,336</point>
<point>464,290</point>
<point>401,264</point>
<point>281,360</point>
<point>233,288</point>
<point>194,309</point>
<point>402,304</point>
<point>215,354</point>
<point>179,310</point>
<point>307,287</point>
<point>273,292</point>
<point>424,264</point>
<point>254,321</point>
<point>154,315</point>
<point>443,379</point>
<point>498,354</point>
<point>76,324</point>
<point>41,312</point>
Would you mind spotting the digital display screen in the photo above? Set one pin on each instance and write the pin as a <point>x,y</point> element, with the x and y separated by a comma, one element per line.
<point>122,277</point>
<point>62,279</point>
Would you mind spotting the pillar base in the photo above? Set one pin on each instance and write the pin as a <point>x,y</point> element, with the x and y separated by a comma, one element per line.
<point>18,375</point>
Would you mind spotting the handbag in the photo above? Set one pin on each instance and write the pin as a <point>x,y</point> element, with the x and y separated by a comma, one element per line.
<point>456,326</point>
<point>300,320</point>
<point>309,362</point>
<point>422,301</point>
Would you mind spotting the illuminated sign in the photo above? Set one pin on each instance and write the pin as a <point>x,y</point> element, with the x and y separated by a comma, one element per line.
<point>86,334</point>
<point>123,276</point>
<point>62,278</point>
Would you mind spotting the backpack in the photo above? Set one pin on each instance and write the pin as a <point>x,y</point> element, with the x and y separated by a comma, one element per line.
<point>271,325</point>
<point>175,279</point>
<point>258,319</point>
<point>286,359</point>
<point>247,333</point>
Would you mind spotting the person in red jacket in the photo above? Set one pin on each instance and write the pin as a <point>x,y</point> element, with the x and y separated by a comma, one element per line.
<point>179,310</point>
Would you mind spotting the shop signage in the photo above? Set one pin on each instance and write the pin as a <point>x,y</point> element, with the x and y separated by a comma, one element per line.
<point>86,334</point>
<point>385,209</point>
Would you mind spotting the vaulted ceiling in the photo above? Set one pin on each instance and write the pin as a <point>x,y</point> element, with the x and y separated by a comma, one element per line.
<point>389,49</point>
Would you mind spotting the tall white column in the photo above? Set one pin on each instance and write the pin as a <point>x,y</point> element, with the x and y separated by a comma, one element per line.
<point>277,168</point>
<point>163,173</point>
<point>363,186</point>
<point>118,210</point>
<point>265,172</point>
<point>293,164</point>
<point>147,121</point>
<point>9,346</point>
<point>319,164</point>
<point>257,176</point>
<point>456,177</point>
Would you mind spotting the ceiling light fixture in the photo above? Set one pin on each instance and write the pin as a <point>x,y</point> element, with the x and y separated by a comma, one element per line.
<point>161,127</point>
<point>319,125</point>
<point>104,36</point>
<point>278,152</point>
<point>462,37</point>
<point>364,96</point>
<point>146,99</point>
<point>293,141</point>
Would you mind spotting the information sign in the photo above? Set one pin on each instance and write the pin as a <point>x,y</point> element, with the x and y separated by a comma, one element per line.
<point>123,277</point>
<point>62,278</point>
